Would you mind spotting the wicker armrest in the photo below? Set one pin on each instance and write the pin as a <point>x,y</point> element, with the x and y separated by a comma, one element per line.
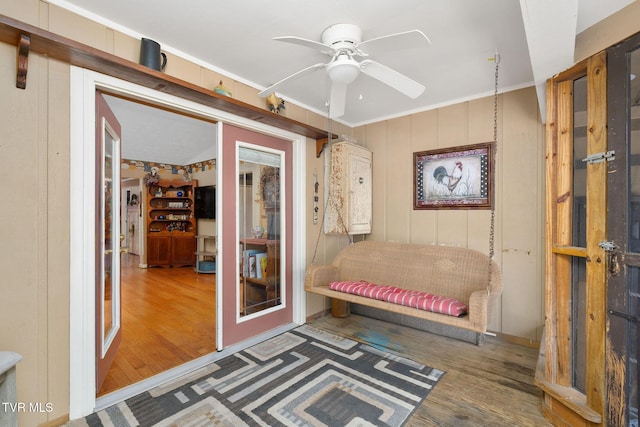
<point>478,309</point>
<point>319,276</point>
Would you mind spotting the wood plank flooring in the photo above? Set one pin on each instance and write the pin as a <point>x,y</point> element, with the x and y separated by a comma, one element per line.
<point>168,318</point>
<point>488,385</point>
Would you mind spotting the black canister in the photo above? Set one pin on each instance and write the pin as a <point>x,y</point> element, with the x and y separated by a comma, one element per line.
<point>150,55</point>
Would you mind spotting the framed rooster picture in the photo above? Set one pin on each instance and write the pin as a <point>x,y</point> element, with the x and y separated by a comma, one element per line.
<point>454,178</point>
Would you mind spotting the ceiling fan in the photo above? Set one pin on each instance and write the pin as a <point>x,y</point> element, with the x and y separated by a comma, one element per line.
<point>343,43</point>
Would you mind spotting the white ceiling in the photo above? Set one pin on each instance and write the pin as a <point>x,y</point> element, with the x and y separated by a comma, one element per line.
<point>235,39</point>
<point>157,135</point>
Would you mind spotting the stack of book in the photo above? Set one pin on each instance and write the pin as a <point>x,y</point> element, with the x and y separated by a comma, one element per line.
<point>254,264</point>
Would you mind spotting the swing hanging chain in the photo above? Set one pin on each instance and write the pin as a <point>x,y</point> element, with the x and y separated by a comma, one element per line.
<point>492,225</point>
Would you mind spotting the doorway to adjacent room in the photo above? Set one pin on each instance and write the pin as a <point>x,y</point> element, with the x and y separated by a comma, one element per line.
<point>288,311</point>
<point>151,316</point>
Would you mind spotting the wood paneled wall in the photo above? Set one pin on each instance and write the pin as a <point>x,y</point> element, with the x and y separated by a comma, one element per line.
<point>519,194</point>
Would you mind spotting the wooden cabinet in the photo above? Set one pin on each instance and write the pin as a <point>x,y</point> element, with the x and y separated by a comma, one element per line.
<point>158,250</point>
<point>259,275</point>
<point>183,248</point>
<point>171,226</point>
<point>349,189</point>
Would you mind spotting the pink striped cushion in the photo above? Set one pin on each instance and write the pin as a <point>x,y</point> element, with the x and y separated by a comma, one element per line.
<point>364,289</point>
<point>408,298</point>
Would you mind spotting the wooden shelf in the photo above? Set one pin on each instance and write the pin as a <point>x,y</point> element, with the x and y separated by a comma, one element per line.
<point>258,293</point>
<point>30,39</point>
<point>171,247</point>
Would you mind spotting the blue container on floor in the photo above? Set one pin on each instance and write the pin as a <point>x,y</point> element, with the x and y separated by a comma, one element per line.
<point>209,266</point>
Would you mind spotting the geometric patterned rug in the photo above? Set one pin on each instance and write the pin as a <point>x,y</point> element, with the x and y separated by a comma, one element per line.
<point>304,377</point>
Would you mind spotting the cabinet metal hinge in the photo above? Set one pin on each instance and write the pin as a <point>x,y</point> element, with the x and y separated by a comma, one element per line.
<point>608,246</point>
<point>600,157</point>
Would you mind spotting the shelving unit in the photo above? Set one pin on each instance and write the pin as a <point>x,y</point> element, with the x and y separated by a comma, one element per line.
<point>171,226</point>
<point>205,259</point>
<point>262,290</point>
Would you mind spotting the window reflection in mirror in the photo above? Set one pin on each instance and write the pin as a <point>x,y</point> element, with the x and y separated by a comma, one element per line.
<point>259,189</point>
<point>110,236</point>
<point>108,307</point>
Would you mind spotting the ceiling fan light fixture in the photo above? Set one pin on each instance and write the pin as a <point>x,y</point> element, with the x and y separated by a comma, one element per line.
<point>343,70</point>
<point>343,43</point>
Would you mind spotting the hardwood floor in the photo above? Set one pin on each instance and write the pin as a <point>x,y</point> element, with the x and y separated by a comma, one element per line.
<point>168,318</point>
<point>488,385</point>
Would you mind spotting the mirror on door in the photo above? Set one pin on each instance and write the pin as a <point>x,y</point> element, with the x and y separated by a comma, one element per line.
<point>259,219</point>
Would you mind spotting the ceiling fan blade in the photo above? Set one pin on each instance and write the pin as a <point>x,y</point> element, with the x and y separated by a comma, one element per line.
<point>392,78</point>
<point>306,43</point>
<point>392,42</point>
<point>337,100</point>
<point>293,76</point>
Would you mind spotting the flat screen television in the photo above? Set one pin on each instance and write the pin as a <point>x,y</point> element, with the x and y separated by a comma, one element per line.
<point>204,202</point>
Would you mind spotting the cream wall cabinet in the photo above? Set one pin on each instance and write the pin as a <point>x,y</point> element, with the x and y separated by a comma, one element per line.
<point>348,207</point>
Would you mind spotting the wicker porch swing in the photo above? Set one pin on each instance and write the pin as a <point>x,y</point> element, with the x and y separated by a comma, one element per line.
<point>423,270</point>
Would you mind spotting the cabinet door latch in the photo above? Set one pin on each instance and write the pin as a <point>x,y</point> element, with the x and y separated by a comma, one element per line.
<point>600,157</point>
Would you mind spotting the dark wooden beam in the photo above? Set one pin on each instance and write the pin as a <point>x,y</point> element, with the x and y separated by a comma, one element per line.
<point>60,48</point>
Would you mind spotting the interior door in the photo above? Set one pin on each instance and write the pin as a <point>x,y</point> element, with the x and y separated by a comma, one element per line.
<point>256,294</point>
<point>108,239</point>
<point>623,242</point>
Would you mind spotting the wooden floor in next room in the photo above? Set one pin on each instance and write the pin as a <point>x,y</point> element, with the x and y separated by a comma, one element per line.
<point>168,318</point>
